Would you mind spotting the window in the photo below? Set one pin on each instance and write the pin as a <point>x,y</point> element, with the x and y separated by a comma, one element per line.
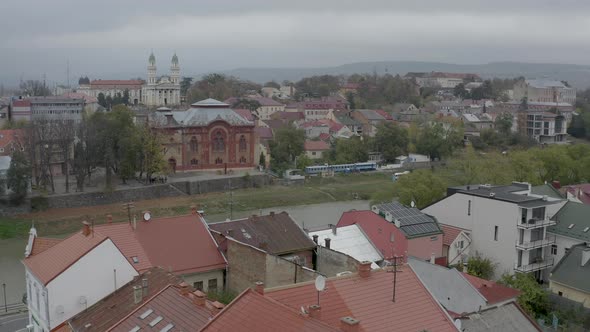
<point>495,233</point>
<point>218,142</point>
<point>212,285</point>
<point>539,213</point>
<point>198,285</point>
<point>523,216</point>
<point>242,160</point>
<point>391,237</point>
<point>566,250</point>
<point>469,207</point>
<point>243,144</point>
<point>218,161</point>
<point>1,149</point>
<point>433,238</point>
<point>194,162</point>
<point>461,244</point>
<point>194,144</point>
<point>553,249</point>
<point>313,153</point>
<point>560,293</point>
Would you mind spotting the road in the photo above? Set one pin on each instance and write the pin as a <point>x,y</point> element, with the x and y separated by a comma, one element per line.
<point>14,322</point>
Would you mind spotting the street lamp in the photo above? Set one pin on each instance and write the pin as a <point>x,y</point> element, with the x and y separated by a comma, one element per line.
<point>4,291</point>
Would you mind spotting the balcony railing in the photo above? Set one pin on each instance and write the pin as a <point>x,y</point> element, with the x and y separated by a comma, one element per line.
<point>535,244</point>
<point>539,264</point>
<point>536,223</point>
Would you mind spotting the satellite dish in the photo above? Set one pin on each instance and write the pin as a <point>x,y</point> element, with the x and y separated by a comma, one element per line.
<point>147,216</point>
<point>320,283</point>
<point>412,204</point>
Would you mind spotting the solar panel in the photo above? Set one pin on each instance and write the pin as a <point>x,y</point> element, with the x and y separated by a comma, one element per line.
<point>146,313</point>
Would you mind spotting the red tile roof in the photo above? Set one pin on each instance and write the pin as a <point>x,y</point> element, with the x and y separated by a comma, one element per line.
<point>379,231</point>
<point>316,146</point>
<point>334,126</point>
<point>78,95</point>
<point>369,300</point>
<point>324,137</point>
<point>174,308</point>
<point>491,291</point>
<point>246,114</point>
<point>15,136</point>
<point>580,191</point>
<point>251,311</point>
<point>40,244</point>
<point>385,115</point>
<point>116,306</point>
<point>183,244</point>
<point>53,261</point>
<point>450,233</point>
<point>264,132</point>
<point>126,239</point>
<point>21,103</point>
<point>290,116</point>
<point>122,83</point>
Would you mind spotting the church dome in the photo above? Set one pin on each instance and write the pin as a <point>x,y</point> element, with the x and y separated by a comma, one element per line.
<point>152,59</point>
<point>174,59</point>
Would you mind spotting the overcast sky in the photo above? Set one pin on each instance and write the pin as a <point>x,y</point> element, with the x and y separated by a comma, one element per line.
<point>113,39</point>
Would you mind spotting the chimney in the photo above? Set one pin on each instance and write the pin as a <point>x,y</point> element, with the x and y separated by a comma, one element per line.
<point>86,228</point>
<point>364,269</point>
<point>137,294</point>
<point>327,241</point>
<point>315,311</point>
<point>388,217</point>
<point>556,184</point>
<point>199,298</point>
<point>259,288</point>
<point>217,306</point>
<point>184,289</point>
<point>193,210</point>
<point>333,227</point>
<point>144,287</point>
<point>229,232</point>
<point>585,256</point>
<point>432,258</point>
<point>349,324</point>
<point>315,239</point>
<point>397,223</point>
<point>169,118</point>
<point>109,219</point>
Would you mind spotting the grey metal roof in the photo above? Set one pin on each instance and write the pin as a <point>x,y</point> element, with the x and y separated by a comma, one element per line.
<point>413,222</point>
<point>506,318</point>
<point>546,189</point>
<point>570,272</point>
<point>448,286</point>
<point>203,113</point>
<point>371,115</point>
<point>576,214</point>
<point>541,84</point>
<point>504,193</point>
<point>538,203</point>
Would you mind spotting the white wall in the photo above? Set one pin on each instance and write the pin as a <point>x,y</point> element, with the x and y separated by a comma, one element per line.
<point>456,253</point>
<point>563,242</point>
<point>93,277</point>
<point>37,313</point>
<point>485,214</point>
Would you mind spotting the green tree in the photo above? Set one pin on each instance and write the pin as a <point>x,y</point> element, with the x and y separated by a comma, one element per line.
<point>125,98</point>
<point>421,186</point>
<point>347,151</point>
<point>102,100</point>
<point>391,140</point>
<point>503,123</point>
<point>481,267</point>
<point>185,84</point>
<point>219,86</point>
<point>245,103</point>
<point>533,297</point>
<point>262,160</point>
<point>460,91</point>
<point>439,139</point>
<point>285,146</point>
<point>18,176</point>
<point>303,161</point>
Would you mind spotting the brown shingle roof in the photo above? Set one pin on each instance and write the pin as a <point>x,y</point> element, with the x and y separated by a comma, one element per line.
<point>276,233</point>
<point>251,311</point>
<point>316,146</point>
<point>120,303</point>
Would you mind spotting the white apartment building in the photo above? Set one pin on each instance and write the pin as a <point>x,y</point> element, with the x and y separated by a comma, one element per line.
<point>507,224</point>
<point>544,91</point>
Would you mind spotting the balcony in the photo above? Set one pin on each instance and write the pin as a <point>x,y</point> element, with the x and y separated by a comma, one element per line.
<point>535,244</point>
<point>536,223</point>
<point>538,264</point>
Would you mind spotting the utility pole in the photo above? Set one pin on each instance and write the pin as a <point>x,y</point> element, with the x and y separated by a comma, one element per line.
<point>5,303</point>
<point>394,276</point>
<point>127,207</point>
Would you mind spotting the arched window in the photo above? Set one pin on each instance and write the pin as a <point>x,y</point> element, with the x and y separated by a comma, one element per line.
<point>243,144</point>
<point>218,161</point>
<point>194,162</point>
<point>218,142</point>
<point>194,144</point>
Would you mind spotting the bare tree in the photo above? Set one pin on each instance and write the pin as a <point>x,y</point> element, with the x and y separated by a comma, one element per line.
<point>64,133</point>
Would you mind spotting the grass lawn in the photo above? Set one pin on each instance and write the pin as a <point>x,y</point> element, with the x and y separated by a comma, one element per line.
<point>316,190</point>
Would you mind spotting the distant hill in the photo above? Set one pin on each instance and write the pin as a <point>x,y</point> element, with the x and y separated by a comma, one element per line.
<point>577,75</point>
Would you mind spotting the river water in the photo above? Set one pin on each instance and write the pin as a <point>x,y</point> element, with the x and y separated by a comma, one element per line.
<point>314,216</point>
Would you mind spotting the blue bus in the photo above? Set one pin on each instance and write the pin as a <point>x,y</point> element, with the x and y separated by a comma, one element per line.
<point>342,168</point>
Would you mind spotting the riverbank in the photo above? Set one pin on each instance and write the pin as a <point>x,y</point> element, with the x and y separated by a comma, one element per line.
<point>317,190</point>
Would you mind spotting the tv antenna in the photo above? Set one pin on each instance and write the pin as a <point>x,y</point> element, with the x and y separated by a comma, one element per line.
<point>320,285</point>
<point>394,271</point>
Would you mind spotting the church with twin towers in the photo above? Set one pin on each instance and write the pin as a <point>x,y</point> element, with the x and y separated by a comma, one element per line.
<point>163,90</point>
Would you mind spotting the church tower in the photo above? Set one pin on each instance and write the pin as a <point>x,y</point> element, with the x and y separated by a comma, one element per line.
<point>175,70</point>
<point>151,70</point>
